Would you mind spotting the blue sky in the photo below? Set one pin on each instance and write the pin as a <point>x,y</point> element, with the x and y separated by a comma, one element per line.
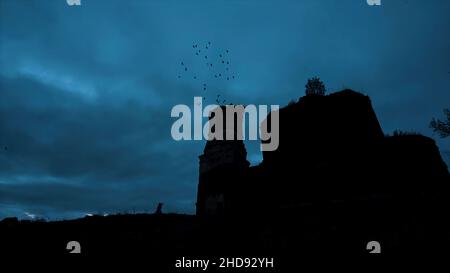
<point>86,92</point>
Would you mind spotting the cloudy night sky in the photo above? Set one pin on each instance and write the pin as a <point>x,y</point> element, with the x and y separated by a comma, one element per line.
<point>86,91</point>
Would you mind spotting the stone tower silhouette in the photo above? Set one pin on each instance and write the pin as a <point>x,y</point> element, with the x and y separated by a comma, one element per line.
<point>221,167</point>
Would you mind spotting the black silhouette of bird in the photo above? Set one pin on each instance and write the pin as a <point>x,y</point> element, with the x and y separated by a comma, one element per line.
<point>227,51</point>
<point>220,55</point>
<point>233,77</point>
<point>209,43</point>
<point>182,63</point>
<point>196,53</point>
<point>228,78</point>
<point>195,77</point>
<point>6,148</point>
<point>185,69</point>
<point>215,76</point>
<point>179,76</point>
<point>159,209</point>
<point>206,57</point>
<point>220,75</point>
<point>211,65</point>
<point>223,62</point>
<point>204,88</point>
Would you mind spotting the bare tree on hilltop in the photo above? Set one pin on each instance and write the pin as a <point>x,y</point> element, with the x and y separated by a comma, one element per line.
<point>442,127</point>
<point>315,86</point>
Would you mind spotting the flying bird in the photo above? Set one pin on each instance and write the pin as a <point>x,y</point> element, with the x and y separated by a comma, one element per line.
<point>209,63</point>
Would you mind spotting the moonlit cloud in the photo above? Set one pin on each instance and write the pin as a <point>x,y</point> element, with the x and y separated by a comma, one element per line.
<point>55,79</point>
<point>31,216</point>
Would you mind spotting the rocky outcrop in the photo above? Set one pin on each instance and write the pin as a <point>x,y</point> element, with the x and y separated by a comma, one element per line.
<point>331,148</point>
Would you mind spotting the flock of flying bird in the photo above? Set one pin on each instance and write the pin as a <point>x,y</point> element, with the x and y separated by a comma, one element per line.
<point>217,63</point>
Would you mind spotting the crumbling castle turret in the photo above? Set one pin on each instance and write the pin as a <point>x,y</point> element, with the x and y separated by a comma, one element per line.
<point>222,163</point>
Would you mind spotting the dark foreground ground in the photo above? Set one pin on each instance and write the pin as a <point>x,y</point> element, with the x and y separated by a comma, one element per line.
<point>328,230</point>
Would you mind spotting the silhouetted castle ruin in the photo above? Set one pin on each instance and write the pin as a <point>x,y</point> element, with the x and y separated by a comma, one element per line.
<point>335,183</point>
<point>332,151</point>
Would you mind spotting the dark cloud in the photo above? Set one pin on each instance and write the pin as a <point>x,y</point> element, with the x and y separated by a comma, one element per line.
<point>113,151</point>
<point>86,92</point>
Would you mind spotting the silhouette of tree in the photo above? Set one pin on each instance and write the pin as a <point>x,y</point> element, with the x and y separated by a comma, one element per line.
<point>442,127</point>
<point>315,86</point>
